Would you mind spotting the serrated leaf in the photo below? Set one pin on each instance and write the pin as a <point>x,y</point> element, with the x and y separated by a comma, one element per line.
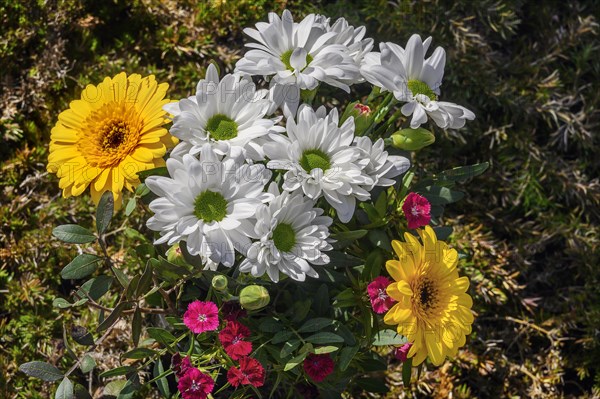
<point>73,234</point>
<point>42,370</point>
<point>82,266</point>
<point>315,324</point>
<point>104,212</point>
<point>324,338</point>
<point>139,353</point>
<point>87,363</point>
<point>64,390</point>
<point>295,361</point>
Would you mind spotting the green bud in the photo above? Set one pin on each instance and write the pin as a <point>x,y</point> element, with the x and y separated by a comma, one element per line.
<point>254,297</point>
<point>412,139</point>
<point>219,282</point>
<point>175,256</point>
<point>362,114</point>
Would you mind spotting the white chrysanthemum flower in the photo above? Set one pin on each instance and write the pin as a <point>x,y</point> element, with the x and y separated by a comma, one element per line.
<point>416,80</point>
<point>320,159</point>
<point>382,168</point>
<point>351,37</point>
<point>229,114</point>
<point>209,203</point>
<point>293,235</point>
<point>297,56</point>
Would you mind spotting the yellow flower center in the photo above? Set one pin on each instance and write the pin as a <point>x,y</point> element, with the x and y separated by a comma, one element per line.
<point>210,207</point>
<point>222,127</point>
<point>426,298</point>
<point>110,134</point>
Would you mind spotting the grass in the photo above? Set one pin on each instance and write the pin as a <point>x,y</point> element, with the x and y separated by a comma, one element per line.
<point>529,71</point>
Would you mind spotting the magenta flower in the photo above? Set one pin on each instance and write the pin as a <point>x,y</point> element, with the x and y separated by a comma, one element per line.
<point>180,366</point>
<point>380,300</point>
<point>401,352</point>
<point>251,372</point>
<point>318,366</point>
<point>195,384</point>
<point>417,210</point>
<point>233,337</point>
<point>201,316</point>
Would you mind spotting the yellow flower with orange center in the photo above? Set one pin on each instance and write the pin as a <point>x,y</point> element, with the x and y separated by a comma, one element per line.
<point>433,310</point>
<point>113,132</point>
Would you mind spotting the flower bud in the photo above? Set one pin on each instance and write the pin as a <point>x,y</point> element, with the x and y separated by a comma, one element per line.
<point>412,139</point>
<point>175,256</point>
<point>219,282</point>
<point>362,114</point>
<point>254,297</point>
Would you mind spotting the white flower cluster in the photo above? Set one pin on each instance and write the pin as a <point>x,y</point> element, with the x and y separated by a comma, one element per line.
<point>243,184</point>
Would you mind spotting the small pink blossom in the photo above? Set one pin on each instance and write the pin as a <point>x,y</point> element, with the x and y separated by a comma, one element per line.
<point>362,109</point>
<point>201,316</point>
<point>195,384</point>
<point>380,300</point>
<point>401,352</point>
<point>417,210</point>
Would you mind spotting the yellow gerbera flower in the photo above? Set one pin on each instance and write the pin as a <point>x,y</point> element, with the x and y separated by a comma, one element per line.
<point>113,132</point>
<point>433,309</point>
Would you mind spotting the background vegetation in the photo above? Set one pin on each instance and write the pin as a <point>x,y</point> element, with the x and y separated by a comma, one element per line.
<point>529,70</point>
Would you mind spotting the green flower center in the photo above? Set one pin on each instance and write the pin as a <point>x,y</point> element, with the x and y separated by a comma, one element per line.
<point>313,159</point>
<point>419,87</point>
<point>285,58</point>
<point>221,127</point>
<point>284,237</point>
<point>210,207</point>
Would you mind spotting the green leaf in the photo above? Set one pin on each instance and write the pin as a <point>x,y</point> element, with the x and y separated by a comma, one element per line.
<point>130,388</point>
<point>381,204</point>
<point>464,172</point>
<point>346,356</point>
<point>122,370</point>
<point>104,213</point>
<point>289,347</point>
<point>130,207</point>
<point>162,384</point>
<point>295,361</point>
<point>168,271</point>
<point>73,234</point>
<point>82,266</point>
<point>270,325</point>
<point>64,390</point>
<point>442,233</point>
<point>325,349</point>
<point>136,326</point>
<point>82,336</point>
<point>342,259</point>
<point>373,265</point>
<point>374,385</point>
<point>113,316</point>
<point>388,337</point>
<point>349,235</point>
<point>145,281</point>
<point>437,195</point>
<point>113,388</point>
<point>406,371</point>
<point>282,336</point>
<point>324,338</point>
<point>380,239</point>
<point>315,324</point>
<point>81,393</point>
<point>121,276</point>
<point>139,353</point>
<point>42,370</point>
<point>95,288</point>
<point>160,171</point>
<point>322,303</point>
<point>161,335</point>
<point>141,190</point>
<point>87,363</point>
<point>61,303</point>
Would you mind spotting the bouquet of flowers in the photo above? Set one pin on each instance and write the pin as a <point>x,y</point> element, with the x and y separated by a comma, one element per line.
<point>290,250</point>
